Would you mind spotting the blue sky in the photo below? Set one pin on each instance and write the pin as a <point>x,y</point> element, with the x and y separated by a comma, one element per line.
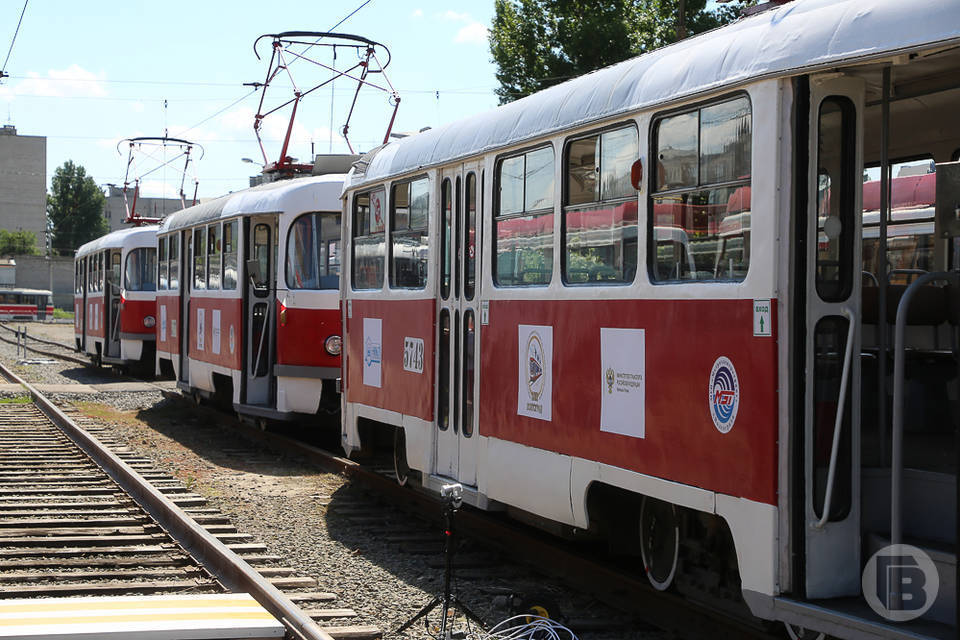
<point>87,75</point>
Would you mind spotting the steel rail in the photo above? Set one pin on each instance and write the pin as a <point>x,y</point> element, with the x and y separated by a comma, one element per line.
<point>225,565</point>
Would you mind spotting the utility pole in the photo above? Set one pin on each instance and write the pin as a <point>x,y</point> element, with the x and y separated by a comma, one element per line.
<point>682,20</point>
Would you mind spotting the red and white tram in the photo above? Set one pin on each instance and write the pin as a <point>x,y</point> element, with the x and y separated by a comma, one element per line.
<point>115,297</point>
<point>248,302</point>
<point>635,304</point>
<point>26,304</point>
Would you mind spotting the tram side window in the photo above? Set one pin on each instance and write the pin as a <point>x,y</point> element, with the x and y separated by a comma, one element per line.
<point>700,201</point>
<point>162,270</point>
<point>600,213</point>
<point>409,234</point>
<point>524,219</point>
<point>213,256</point>
<point>230,255</point>
<point>910,245</point>
<point>310,242</point>
<point>139,272</point>
<point>199,259</point>
<point>174,256</point>
<point>368,239</point>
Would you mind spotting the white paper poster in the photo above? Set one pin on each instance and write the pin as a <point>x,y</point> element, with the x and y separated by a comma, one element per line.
<point>372,349</point>
<point>200,329</point>
<point>163,323</point>
<point>216,331</point>
<point>623,381</point>
<point>535,355</point>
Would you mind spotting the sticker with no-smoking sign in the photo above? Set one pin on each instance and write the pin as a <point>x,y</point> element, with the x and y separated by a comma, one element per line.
<point>762,322</point>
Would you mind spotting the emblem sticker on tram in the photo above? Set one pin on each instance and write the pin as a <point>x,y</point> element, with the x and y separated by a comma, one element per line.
<point>535,389</point>
<point>724,394</point>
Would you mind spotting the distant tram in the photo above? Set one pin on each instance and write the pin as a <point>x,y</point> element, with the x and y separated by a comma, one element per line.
<point>26,304</point>
<point>115,296</point>
<point>656,304</point>
<point>248,302</point>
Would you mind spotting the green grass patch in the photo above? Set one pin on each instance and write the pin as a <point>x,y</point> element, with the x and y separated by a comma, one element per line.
<point>62,314</point>
<point>24,399</point>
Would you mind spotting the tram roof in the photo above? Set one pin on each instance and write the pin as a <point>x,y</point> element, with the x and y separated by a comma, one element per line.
<point>801,36</point>
<point>27,292</point>
<point>313,193</point>
<point>126,238</point>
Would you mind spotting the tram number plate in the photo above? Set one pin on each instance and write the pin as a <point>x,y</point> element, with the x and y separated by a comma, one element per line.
<point>413,354</point>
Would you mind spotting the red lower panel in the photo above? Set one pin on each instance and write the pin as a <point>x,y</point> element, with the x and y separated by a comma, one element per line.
<point>132,314</point>
<point>683,340</point>
<point>407,392</point>
<point>168,338</point>
<point>301,336</point>
<point>221,341</point>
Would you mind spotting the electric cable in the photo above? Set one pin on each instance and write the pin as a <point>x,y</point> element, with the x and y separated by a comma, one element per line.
<point>525,627</point>
<point>10,50</point>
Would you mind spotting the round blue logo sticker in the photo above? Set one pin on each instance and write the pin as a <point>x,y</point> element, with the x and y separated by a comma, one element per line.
<point>724,394</point>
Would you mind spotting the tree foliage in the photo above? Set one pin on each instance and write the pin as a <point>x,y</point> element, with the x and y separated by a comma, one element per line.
<point>74,208</point>
<point>539,43</point>
<point>18,243</point>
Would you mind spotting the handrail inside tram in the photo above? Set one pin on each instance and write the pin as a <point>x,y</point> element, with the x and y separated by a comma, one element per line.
<point>838,423</point>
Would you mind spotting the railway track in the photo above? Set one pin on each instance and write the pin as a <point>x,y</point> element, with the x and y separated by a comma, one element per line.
<point>81,515</point>
<point>495,540</point>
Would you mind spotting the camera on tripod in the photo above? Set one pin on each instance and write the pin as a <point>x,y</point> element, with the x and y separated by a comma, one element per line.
<point>453,494</point>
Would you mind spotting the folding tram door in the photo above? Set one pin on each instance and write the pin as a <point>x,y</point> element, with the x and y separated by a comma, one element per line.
<point>259,310</point>
<point>111,303</point>
<point>186,282</point>
<point>827,507</point>
<point>458,323</point>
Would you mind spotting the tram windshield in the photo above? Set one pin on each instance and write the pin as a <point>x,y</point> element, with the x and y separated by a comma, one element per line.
<point>313,252</point>
<point>141,269</point>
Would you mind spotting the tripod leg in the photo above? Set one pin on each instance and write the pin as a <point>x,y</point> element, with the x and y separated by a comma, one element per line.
<point>427,608</point>
<point>465,610</point>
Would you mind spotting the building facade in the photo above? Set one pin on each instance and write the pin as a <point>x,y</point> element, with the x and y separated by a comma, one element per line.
<point>115,207</point>
<point>23,183</point>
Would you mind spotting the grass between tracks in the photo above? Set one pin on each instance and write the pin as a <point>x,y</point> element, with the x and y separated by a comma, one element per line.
<point>24,399</point>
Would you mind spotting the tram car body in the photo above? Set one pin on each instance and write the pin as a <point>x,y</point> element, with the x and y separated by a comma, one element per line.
<point>115,297</point>
<point>26,304</point>
<point>248,300</point>
<point>622,305</point>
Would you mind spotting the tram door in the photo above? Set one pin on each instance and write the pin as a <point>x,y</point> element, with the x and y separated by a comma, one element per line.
<point>82,280</point>
<point>186,282</point>
<point>831,442</point>
<point>111,304</point>
<point>458,323</point>
<point>259,312</point>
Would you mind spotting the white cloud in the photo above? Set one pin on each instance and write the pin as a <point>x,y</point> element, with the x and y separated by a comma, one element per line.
<point>70,82</point>
<point>417,13</point>
<point>453,16</point>
<point>473,33</point>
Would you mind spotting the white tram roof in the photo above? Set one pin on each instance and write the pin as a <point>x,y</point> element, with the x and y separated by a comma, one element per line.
<point>130,238</point>
<point>314,193</point>
<point>26,292</point>
<point>801,36</point>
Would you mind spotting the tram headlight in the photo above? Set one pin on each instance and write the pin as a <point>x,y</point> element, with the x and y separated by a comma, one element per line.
<point>333,345</point>
<point>149,322</point>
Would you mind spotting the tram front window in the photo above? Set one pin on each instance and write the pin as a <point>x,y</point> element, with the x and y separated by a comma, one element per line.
<point>141,267</point>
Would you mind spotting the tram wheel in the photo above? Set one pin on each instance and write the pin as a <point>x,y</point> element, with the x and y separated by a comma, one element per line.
<point>659,541</point>
<point>400,466</point>
<point>800,633</point>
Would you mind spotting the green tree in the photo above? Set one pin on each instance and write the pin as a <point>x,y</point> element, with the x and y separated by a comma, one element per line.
<point>18,243</point>
<point>539,43</point>
<point>74,208</point>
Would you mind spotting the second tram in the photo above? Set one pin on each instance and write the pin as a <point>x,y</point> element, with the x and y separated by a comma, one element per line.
<point>248,300</point>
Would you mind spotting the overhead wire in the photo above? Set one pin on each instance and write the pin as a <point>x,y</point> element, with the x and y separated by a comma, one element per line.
<point>12,41</point>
